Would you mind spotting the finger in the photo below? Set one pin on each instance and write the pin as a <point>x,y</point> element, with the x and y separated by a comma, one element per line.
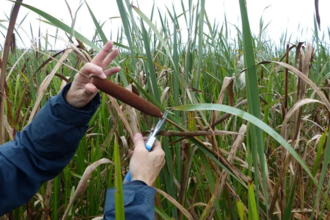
<point>157,146</point>
<point>111,71</point>
<point>144,139</point>
<point>106,62</point>
<point>163,162</point>
<point>98,59</point>
<point>91,69</point>
<point>138,142</point>
<point>90,88</point>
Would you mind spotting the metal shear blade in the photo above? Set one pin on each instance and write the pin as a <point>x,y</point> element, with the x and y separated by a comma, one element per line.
<point>152,137</point>
<point>150,141</point>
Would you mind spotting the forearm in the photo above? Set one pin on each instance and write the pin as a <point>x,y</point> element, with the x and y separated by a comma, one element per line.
<point>42,149</point>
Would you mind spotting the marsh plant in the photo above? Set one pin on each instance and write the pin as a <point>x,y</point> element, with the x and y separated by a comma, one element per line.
<point>246,137</point>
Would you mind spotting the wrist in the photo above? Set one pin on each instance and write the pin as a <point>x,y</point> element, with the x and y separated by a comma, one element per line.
<point>145,180</point>
<point>137,182</point>
<point>74,101</point>
<point>69,98</point>
<point>74,116</point>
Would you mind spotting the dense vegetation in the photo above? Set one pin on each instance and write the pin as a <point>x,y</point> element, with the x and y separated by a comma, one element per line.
<point>247,133</point>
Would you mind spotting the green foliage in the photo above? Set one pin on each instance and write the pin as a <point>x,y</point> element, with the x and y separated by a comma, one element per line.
<point>187,77</point>
<point>119,197</point>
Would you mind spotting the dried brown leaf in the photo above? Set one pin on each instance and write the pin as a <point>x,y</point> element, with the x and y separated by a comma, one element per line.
<point>83,183</point>
<point>45,84</point>
<point>226,83</point>
<point>47,196</point>
<point>295,108</point>
<point>124,141</point>
<point>306,79</point>
<point>196,133</point>
<point>164,95</point>
<point>81,54</point>
<point>174,202</point>
<point>98,218</point>
<point>122,116</point>
<point>8,128</point>
<point>50,58</point>
<point>4,59</point>
<point>237,143</point>
<point>63,83</point>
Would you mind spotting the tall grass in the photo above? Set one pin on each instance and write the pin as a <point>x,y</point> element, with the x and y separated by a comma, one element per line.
<point>256,149</point>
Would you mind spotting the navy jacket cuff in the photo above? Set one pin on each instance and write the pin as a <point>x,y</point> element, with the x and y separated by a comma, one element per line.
<point>139,201</point>
<point>137,182</point>
<point>68,113</point>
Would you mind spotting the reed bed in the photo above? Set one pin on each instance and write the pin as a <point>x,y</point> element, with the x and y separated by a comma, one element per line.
<point>246,137</point>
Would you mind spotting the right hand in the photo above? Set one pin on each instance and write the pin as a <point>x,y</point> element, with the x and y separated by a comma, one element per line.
<point>82,91</point>
<point>144,165</point>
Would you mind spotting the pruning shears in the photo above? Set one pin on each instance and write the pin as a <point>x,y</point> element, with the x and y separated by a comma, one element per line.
<point>150,141</point>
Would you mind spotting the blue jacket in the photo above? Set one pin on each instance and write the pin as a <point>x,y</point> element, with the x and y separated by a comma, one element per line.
<point>41,151</point>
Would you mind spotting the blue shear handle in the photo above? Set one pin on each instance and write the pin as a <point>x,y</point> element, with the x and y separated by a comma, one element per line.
<point>150,142</point>
<point>127,178</point>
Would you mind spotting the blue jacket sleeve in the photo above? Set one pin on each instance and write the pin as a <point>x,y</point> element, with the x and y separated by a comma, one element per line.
<point>42,149</point>
<point>139,202</point>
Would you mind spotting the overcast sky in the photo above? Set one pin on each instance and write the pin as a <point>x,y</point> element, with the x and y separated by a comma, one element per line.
<point>282,14</point>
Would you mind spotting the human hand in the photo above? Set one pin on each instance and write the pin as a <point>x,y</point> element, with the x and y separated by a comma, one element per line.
<point>82,91</point>
<point>144,165</point>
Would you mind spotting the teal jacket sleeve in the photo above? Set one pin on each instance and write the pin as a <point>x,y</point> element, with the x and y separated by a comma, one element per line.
<point>139,202</point>
<point>42,149</point>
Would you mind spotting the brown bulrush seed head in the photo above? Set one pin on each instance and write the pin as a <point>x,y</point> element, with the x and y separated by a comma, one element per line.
<point>126,96</point>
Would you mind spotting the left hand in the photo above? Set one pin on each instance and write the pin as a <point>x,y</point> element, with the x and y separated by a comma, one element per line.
<point>145,166</point>
<point>82,91</point>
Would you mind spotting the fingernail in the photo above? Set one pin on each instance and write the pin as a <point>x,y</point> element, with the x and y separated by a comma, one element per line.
<point>104,76</point>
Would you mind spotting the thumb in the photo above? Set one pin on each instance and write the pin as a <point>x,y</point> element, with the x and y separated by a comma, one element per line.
<point>138,142</point>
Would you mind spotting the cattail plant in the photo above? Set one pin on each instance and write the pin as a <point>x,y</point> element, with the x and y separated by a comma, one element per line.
<point>246,137</point>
